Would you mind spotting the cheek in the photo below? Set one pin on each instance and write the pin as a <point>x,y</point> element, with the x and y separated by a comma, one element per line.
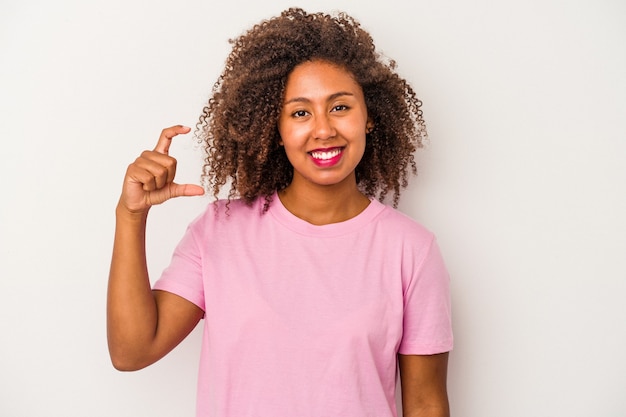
<point>362,145</point>
<point>291,135</point>
<point>360,138</point>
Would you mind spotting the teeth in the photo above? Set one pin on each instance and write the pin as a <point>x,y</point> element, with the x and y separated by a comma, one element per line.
<point>326,155</point>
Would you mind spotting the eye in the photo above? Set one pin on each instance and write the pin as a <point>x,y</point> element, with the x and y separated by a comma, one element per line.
<point>340,107</point>
<point>299,113</point>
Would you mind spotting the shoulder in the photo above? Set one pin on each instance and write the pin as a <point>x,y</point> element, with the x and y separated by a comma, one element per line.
<point>228,213</point>
<point>402,225</point>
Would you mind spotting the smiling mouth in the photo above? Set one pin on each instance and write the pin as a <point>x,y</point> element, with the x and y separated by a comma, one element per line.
<point>326,155</point>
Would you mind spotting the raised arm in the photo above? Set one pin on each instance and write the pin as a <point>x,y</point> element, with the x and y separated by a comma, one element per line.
<point>144,325</point>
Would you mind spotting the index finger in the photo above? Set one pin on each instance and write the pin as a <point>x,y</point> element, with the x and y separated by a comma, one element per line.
<point>165,140</point>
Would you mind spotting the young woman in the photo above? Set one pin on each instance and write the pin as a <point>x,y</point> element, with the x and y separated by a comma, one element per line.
<point>312,291</point>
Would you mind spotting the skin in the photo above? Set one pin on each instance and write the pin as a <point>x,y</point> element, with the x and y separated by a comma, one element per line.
<point>423,379</point>
<point>323,110</point>
<point>144,325</point>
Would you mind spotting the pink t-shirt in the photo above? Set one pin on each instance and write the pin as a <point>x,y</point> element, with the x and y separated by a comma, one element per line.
<point>304,320</point>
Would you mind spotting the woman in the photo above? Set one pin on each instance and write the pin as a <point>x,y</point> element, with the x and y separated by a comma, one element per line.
<point>313,292</point>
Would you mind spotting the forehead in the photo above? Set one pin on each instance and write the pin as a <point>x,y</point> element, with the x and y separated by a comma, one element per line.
<point>315,78</point>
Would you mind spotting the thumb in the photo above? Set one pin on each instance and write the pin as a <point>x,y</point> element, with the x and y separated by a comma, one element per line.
<point>185,190</point>
<point>172,190</point>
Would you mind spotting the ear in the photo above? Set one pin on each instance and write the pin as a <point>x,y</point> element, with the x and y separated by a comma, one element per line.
<point>369,126</point>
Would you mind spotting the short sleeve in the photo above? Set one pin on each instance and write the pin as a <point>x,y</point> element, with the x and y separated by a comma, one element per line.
<point>427,325</point>
<point>183,276</point>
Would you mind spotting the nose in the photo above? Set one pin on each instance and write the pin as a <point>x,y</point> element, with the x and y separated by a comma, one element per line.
<point>323,128</point>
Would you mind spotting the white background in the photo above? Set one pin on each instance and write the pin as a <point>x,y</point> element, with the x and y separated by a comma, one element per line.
<point>523,183</point>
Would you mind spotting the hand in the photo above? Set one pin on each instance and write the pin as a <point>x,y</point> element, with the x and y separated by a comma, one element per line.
<point>150,179</point>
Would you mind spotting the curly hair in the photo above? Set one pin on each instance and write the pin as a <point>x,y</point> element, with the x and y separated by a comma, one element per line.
<point>239,125</point>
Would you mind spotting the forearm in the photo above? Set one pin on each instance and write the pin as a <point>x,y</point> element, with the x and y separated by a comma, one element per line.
<point>131,307</point>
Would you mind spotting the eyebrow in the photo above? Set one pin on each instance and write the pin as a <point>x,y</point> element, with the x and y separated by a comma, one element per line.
<point>330,98</point>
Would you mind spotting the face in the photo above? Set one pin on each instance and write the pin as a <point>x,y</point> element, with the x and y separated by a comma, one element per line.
<point>322,124</point>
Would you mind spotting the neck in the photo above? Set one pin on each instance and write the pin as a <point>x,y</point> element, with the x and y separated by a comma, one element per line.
<point>321,205</point>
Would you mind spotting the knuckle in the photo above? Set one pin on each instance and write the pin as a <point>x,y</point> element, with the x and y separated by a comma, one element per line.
<point>160,171</point>
<point>171,163</point>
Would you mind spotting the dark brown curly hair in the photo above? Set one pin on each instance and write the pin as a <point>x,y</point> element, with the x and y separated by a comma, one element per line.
<point>239,125</point>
